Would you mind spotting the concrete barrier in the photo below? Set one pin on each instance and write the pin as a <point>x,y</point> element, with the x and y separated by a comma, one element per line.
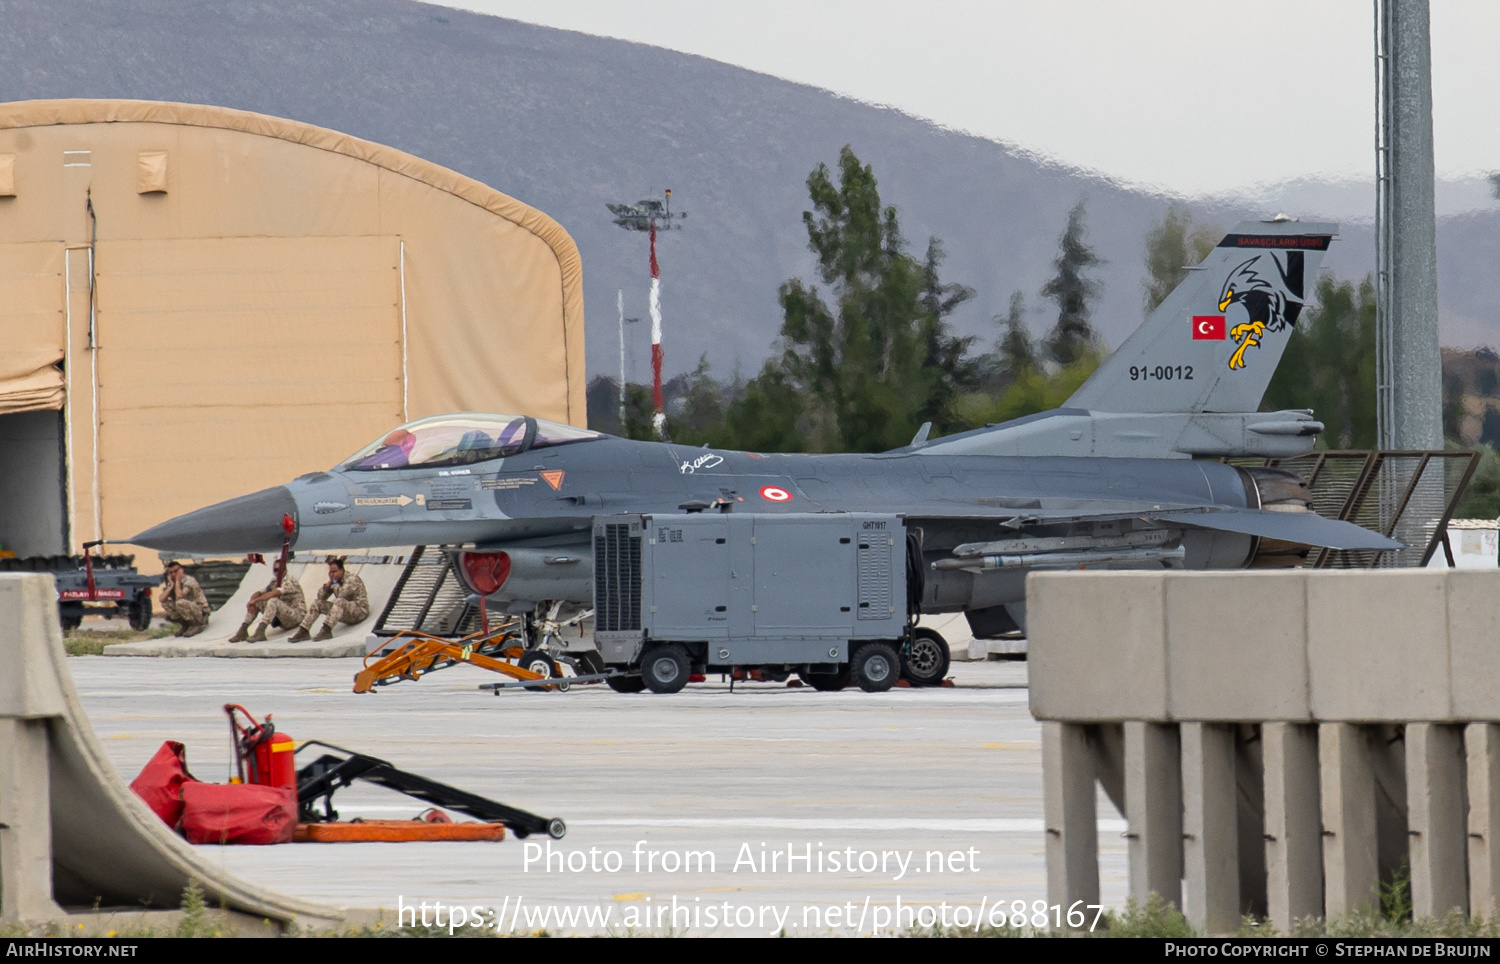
<point>1291,739</point>
<point>73,837</point>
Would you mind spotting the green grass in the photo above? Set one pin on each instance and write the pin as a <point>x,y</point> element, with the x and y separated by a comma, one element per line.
<point>91,642</point>
<point>1156,918</point>
<point>199,920</point>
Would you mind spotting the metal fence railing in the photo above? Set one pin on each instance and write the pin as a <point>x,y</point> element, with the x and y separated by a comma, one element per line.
<point>1409,496</point>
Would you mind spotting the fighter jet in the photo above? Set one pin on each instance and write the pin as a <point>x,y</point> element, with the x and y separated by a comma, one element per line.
<point>1128,475</point>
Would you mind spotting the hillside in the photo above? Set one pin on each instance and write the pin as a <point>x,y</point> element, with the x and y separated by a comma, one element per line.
<point>568,122</point>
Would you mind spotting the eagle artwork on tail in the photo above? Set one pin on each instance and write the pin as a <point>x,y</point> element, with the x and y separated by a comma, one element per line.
<point>1271,295</point>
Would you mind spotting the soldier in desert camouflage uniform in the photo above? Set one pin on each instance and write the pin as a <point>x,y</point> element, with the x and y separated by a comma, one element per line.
<point>182,601</point>
<point>342,599</point>
<point>283,604</point>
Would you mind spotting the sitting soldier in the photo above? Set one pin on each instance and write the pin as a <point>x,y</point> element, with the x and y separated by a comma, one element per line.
<point>281,603</point>
<point>342,600</point>
<point>182,601</point>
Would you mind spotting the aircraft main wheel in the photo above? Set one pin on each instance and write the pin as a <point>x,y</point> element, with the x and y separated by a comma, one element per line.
<point>927,659</point>
<point>626,684</point>
<point>828,682</point>
<point>665,669</point>
<point>875,667</point>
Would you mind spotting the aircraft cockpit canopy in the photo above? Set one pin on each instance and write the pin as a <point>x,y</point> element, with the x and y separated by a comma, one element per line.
<point>462,438</point>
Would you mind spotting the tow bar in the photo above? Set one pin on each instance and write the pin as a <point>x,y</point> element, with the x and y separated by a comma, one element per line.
<point>319,780</point>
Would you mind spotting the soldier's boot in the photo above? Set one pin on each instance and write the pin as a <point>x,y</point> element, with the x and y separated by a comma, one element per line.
<point>241,635</point>
<point>326,632</point>
<point>260,634</point>
<point>300,635</point>
<point>192,629</point>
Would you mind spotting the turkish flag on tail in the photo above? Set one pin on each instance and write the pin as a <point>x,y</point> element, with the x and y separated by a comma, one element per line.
<point>1208,328</point>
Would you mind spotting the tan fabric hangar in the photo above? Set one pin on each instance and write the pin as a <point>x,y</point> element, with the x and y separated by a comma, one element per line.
<point>196,303</point>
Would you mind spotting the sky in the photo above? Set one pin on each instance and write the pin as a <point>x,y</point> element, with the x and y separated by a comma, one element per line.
<point>1187,96</point>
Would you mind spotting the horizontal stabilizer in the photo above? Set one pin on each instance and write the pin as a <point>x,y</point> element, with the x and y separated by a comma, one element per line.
<point>1306,528</point>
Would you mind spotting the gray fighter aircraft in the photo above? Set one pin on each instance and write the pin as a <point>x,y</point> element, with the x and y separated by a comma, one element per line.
<point>1127,475</point>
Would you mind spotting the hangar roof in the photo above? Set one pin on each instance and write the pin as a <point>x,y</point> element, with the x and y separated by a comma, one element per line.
<point>252,283</point>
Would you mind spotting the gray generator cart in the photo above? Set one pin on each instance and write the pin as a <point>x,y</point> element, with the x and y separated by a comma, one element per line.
<point>822,595</point>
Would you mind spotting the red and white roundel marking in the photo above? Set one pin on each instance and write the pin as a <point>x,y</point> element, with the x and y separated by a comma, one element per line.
<point>775,493</point>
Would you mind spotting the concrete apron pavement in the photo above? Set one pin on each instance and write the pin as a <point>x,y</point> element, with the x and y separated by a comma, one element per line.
<point>935,796</point>
<point>356,640</point>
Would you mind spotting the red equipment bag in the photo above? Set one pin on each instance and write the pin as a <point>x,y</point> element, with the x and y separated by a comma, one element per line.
<point>238,813</point>
<point>161,780</point>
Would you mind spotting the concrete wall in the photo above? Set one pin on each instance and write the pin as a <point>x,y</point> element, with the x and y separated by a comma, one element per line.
<point>72,834</point>
<point>1292,739</point>
<point>1294,646</point>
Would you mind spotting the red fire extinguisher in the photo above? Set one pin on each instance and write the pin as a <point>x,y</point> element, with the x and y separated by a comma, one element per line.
<point>261,754</point>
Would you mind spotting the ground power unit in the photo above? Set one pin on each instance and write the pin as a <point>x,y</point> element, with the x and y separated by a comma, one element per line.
<point>823,595</point>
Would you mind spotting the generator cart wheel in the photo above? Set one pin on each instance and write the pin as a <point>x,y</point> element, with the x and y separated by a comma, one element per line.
<point>926,660</point>
<point>140,612</point>
<point>828,682</point>
<point>875,667</point>
<point>666,668</point>
<point>589,662</point>
<point>556,829</point>
<point>625,684</point>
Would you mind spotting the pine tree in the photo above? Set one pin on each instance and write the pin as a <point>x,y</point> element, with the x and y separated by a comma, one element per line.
<point>1329,364</point>
<point>1171,248</point>
<point>868,355</point>
<point>1072,337</point>
<point>1017,355</point>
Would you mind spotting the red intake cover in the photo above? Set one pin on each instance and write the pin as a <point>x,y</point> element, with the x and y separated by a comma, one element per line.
<point>484,572</point>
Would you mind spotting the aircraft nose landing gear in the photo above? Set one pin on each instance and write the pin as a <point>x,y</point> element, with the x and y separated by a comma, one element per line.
<point>925,658</point>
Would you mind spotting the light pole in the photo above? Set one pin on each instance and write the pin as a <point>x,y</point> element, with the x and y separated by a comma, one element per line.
<point>647,215</point>
<point>1409,362</point>
<point>620,304</point>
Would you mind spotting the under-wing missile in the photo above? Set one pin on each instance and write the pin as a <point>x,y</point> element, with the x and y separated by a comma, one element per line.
<point>1063,560</point>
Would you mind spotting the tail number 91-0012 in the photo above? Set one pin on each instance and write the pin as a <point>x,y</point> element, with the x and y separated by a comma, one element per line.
<point>1161,373</point>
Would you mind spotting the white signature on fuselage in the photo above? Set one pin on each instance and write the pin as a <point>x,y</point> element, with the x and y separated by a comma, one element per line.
<point>701,462</point>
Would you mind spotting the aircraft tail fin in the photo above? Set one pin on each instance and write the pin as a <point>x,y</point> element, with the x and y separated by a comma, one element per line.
<point>1214,343</point>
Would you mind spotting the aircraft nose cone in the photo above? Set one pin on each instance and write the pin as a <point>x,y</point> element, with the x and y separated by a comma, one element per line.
<point>250,523</point>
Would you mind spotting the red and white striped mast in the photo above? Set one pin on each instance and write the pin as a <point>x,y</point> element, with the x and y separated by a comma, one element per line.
<point>659,419</point>
<point>646,216</point>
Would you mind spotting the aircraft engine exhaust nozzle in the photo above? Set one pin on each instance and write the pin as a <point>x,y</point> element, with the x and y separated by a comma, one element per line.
<point>1063,560</point>
<point>250,523</point>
